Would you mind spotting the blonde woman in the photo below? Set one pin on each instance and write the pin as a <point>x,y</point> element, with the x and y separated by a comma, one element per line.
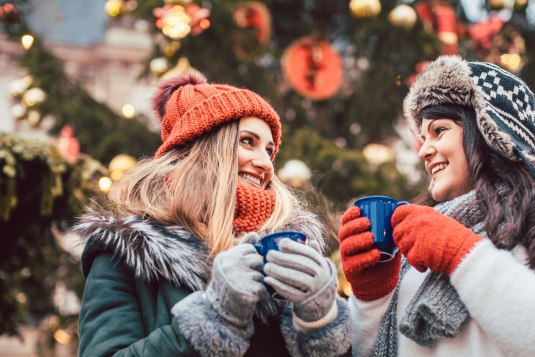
<point>171,272</point>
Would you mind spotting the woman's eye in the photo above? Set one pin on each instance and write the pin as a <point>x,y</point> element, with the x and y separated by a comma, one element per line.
<point>247,141</point>
<point>439,130</point>
<point>270,151</point>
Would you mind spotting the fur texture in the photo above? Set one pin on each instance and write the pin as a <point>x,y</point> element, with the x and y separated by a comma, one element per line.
<point>150,250</point>
<point>197,320</point>
<point>450,79</point>
<point>155,252</point>
<point>331,340</point>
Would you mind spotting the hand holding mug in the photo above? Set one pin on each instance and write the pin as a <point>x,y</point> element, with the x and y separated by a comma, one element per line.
<point>370,279</point>
<point>300,274</point>
<point>237,283</point>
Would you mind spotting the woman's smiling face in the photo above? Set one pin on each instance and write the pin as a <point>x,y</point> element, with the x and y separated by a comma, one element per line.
<point>445,160</point>
<point>255,152</point>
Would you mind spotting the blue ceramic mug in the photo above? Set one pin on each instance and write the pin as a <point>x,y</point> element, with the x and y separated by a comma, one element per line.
<point>271,241</point>
<point>379,210</point>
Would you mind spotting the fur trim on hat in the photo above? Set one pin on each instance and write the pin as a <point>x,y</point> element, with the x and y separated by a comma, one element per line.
<point>451,80</point>
<point>166,89</point>
<point>446,80</point>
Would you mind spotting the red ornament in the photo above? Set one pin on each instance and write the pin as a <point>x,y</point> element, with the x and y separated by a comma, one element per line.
<point>68,145</point>
<point>483,31</point>
<point>255,15</point>
<point>199,18</point>
<point>440,18</point>
<point>313,68</point>
<point>9,13</point>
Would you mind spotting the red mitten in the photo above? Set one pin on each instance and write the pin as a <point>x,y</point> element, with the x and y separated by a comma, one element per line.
<point>429,239</point>
<point>369,279</point>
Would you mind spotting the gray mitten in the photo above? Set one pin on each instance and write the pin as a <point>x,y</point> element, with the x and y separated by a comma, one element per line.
<point>237,283</point>
<point>302,276</point>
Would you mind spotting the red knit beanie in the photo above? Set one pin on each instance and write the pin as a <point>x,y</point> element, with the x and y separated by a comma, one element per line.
<point>189,107</point>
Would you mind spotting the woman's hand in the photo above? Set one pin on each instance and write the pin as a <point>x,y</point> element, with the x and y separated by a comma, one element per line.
<point>369,279</point>
<point>302,276</point>
<point>237,282</point>
<point>429,239</point>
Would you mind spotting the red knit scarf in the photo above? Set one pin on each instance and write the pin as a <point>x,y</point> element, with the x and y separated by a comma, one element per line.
<point>254,206</point>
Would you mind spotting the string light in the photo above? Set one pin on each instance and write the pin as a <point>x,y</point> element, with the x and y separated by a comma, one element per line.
<point>27,41</point>
<point>128,111</point>
<point>104,184</point>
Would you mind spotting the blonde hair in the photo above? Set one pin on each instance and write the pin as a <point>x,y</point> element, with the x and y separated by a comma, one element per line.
<point>195,186</point>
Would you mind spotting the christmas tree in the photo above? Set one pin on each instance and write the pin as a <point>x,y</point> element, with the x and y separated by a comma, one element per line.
<point>336,71</point>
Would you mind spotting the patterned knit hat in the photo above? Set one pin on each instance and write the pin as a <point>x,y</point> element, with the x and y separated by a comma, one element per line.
<point>189,107</point>
<point>504,105</point>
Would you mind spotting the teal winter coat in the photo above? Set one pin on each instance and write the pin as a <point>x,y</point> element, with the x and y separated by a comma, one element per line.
<point>138,270</point>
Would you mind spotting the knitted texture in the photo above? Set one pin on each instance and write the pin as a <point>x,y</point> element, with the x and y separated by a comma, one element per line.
<point>369,279</point>
<point>189,107</point>
<point>253,208</point>
<point>429,239</point>
<point>503,104</point>
<point>436,311</point>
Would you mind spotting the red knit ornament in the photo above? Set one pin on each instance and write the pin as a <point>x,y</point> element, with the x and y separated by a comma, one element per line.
<point>254,206</point>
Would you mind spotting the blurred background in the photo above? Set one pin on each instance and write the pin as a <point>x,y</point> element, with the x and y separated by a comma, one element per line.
<point>76,78</point>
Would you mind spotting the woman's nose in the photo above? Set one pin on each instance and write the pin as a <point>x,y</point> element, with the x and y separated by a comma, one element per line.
<point>426,150</point>
<point>263,161</point>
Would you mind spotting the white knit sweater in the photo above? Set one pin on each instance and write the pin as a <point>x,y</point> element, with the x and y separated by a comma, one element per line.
<point>497,288</point>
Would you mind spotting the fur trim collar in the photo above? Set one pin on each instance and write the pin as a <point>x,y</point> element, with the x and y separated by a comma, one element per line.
<point>151,250</point>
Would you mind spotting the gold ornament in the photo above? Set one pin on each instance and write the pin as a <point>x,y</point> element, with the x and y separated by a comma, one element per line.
<point>403,16</point>
<point>34,96</point>
<point>365,8</point>
<point>182,66</point>
<point>34,117</point>
<point>159,66</point>
<point>18,111</point>
<point>512,62</point>
<point>19,86</point>
<point>497,4</point>
<point>176,23</point>
<point>520,3</point>
<point>120,164</point>
<point>169,48</point>
<point>131,5</point>
<point>114,7</point>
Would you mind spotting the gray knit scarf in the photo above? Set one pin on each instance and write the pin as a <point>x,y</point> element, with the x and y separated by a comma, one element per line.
<point>436,310</point>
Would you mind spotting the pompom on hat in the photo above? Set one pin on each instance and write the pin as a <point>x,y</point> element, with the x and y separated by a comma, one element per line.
<point>189,107</point>
<point>503,104</point>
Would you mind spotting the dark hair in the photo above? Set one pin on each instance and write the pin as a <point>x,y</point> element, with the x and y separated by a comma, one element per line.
<point>504,188</point>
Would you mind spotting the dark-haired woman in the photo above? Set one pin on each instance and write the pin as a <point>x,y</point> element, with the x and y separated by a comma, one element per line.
<point>466,284</point>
